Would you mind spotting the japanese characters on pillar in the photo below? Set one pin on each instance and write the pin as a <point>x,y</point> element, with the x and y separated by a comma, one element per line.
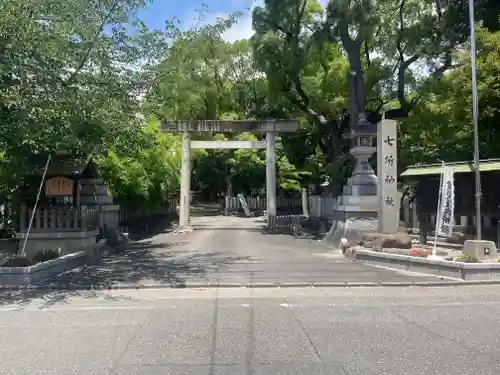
<point>387,168</point>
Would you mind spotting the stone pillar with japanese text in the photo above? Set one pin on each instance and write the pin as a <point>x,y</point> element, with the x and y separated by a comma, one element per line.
<point>387,170</point>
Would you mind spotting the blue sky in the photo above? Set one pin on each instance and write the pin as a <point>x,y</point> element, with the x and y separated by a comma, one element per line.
<point>185,10</point>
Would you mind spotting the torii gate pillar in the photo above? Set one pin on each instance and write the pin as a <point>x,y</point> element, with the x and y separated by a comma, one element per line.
<point>271,173</point>
<point>185,195</point>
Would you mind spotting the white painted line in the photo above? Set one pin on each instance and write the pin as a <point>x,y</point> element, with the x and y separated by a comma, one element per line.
<point>412,273</point>
<point>396,304</point>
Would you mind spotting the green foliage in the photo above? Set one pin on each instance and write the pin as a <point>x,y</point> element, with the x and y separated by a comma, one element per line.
<point>441,126</point>
<point>203,77</point>
<point>78,77</point>
<point>467,258</point>
<point>150,175</point>
<point>69,81</point>
<point>47,254</point>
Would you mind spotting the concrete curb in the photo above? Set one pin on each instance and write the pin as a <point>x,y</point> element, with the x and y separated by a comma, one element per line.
<point>62,288</point>
<point>12,277</point>
<point>476,272</point>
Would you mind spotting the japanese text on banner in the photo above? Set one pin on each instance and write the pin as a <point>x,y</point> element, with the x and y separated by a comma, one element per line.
<point>446,209</point>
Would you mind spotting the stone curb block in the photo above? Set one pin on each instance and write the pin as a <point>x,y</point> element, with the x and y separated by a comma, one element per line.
<point>477,272</point>
<point>82,288</point>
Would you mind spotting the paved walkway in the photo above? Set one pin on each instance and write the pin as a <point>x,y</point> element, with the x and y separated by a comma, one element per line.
<point>227,250</point>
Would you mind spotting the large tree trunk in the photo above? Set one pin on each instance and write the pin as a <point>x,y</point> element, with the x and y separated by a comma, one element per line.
<point>356,83</point>
<point>355,80</point>
<point>357,70</point>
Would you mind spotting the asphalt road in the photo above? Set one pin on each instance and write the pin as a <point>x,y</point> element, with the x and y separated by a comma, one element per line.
<point>228,250</point>
<point>346,331</point>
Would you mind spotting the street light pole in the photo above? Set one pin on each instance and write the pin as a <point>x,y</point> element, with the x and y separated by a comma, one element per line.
<point>477,174</point>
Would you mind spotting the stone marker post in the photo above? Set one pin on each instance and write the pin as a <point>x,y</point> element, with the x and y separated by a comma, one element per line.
<point>185,181</point>
<point>305,203</point>
<point>387,169</point>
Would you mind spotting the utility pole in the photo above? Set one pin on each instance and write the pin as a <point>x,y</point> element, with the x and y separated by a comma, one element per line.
<point>477,173</point>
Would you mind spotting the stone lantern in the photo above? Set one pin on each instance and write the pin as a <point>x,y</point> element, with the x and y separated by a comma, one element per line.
<point>357,208</point>
<point>363,139</point>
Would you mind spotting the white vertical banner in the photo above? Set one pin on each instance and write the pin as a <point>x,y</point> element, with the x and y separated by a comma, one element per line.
<point>446,204</point>
<point>244,205</point>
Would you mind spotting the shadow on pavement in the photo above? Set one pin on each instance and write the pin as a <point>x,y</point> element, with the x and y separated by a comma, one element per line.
<point>145,263</point>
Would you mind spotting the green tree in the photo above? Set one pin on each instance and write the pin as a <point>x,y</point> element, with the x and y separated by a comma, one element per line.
<point>440,127</point>
<point>203,77</point>
<point>69,77</point>
<point>149,176</point>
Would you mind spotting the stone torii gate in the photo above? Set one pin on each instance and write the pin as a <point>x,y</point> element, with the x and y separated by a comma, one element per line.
<point>270,127</point>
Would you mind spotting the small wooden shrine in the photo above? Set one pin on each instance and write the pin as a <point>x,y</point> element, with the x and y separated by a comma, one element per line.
<point>70,209</point>
<point>427,178</point>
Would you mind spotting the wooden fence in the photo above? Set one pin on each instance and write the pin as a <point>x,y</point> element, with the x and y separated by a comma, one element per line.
<point>59,219</point>
<point>259,203</point>
<point>146,213</point>
<point>322,206</point>
<point>409,219</point>
<point>284,224</point>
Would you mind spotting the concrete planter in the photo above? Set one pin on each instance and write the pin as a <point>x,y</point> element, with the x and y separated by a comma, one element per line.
<point>11,277</point>
<point>68,241</point>
<point>445,268</point>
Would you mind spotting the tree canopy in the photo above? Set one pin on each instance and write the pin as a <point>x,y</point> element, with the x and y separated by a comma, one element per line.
<point>87,77</point>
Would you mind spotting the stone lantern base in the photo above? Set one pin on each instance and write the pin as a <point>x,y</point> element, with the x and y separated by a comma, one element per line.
<point>357,209</point>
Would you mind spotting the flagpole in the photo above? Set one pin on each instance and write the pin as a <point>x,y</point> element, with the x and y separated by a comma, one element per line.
<point>477,174</point>
<point>438,211</point>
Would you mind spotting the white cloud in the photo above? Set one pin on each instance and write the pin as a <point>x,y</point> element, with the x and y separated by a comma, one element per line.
<point>243,29</point>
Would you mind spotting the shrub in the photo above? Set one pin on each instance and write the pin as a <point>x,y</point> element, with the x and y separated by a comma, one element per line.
<point>47,254</point>
<point>16,261</point>
<point>467,258</point>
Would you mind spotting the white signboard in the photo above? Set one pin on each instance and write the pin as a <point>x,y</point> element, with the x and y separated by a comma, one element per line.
<point>244,205</point>
<point>446,204</point>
